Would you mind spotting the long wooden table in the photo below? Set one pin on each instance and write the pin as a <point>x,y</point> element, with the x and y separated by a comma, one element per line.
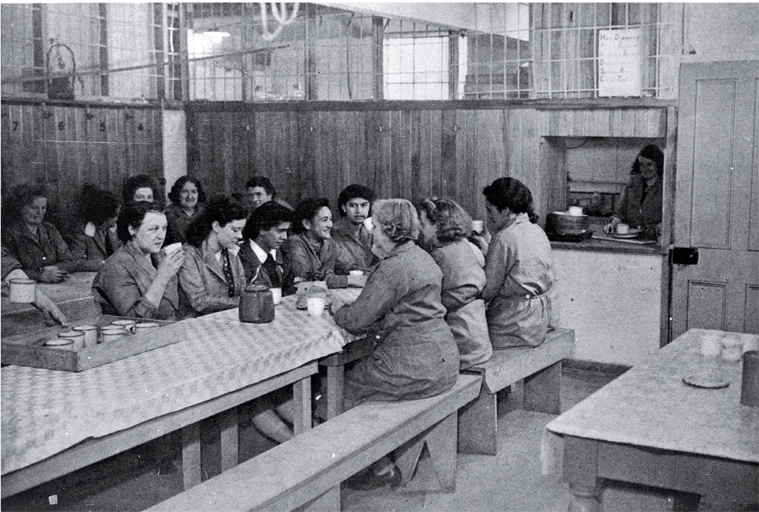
<point>648,427</point>
<point>56,422</point>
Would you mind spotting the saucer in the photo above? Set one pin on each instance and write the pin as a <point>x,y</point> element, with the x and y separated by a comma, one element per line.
<point>626,235</point>
<point>706,381</point>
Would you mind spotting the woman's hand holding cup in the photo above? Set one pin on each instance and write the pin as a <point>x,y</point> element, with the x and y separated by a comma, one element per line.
<point>171,262</point>
<point>611,227</point>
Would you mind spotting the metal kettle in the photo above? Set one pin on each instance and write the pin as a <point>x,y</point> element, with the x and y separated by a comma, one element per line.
<point>256,304</point>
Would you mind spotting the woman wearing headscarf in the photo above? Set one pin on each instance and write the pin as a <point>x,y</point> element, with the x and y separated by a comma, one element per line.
<point>518,268</point>
<point>415,355</point>
<point>445,227</point>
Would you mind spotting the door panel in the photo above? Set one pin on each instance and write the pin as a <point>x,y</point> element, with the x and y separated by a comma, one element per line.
<point>715,208</point>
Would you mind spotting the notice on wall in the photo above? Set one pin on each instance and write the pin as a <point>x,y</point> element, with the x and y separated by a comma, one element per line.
<point>619,64</point>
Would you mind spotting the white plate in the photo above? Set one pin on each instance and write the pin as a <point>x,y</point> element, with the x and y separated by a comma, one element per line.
<point>706,381</point>
<point>626,235</point>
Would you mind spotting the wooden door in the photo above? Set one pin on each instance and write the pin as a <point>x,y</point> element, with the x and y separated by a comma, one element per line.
<point>717,198</point>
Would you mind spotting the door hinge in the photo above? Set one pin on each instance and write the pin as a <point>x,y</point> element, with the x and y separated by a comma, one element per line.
<point>684,255</point>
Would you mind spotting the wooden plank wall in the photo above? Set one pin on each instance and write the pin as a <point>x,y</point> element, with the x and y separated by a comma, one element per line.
<point>66,146</point>
<point>399,152</point>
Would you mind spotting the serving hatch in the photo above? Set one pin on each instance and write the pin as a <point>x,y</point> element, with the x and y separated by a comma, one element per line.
<point>28,349</point>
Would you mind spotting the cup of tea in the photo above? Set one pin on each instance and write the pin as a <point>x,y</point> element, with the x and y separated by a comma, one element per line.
<point>126,324</point>
<point>276,294</point>
<point>172,248</point>
<point>90,334</point>
<point>732,349</point>
<point>316,305</point>
<point>22,291</point>
<point>623,229</point>
<point>112,333</point>
<point>145,326</point>
<point>60,344</point>
<point>76,337</point>
<point>711,346</point>
<point>478,226</point>
<point>575,211</point>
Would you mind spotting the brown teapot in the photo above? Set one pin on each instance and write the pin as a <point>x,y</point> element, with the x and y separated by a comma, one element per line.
<point>256,304</point>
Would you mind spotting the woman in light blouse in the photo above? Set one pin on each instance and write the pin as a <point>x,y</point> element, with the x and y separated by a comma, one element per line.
<point>140,280</point>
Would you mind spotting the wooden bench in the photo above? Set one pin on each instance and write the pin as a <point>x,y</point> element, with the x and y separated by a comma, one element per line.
<point>535,376</point>
<point>307,470</point>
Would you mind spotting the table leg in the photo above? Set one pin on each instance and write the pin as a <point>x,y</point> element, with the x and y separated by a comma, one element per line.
<point>191,455</point>
<point>302,405</point>
<point>229,439</point>
<point>581,472</point>
<point>334,394</point>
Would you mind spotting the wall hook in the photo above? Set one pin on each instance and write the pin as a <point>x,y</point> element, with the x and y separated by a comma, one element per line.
<point>456,128</point>
<point>379,129</point>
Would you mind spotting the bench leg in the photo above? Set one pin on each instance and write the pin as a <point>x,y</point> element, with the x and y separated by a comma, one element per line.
<point>542,390</point>
<point>441,443</point>
<point>229,439</point>
<point>191,455</point>
<point>478,425</point>
<point>302,405</point>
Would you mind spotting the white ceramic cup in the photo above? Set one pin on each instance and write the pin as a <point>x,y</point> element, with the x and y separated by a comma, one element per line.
<point>172,248</point>
<point>126,324</point>
<point>112,333</point>
<point>316,305</point>
<point>711,346</point>
<point>356,272</point>
<point>575,211</point>
<point>22,291</point>
<point>623,229</point>
<point>90,334</point>
<point>276,294</point>
<point>145,326</point>
<point>61,344</point>
<point>732,349</point>
<point>76,337</point>
<point>478,226</point>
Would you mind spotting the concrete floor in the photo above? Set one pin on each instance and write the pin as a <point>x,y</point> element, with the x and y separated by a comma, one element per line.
<point>510,481</point>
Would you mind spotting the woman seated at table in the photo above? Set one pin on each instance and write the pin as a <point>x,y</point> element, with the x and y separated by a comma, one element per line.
<point>187,203</point>
<point>415,355</point>
<point>95,238</point>
<point>37,245</point>
<point>140,188</point>
<point>11,269</point>
<point>310,253</point>
<point>640,205</point>
<point>518,267</point>
<point>264,233</point>
<point>212,275</point>
<point>445,227</point>
<point>140,280</point>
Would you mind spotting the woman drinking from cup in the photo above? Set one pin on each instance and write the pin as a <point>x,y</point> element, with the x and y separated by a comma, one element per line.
<point>518,269</point>
<point>445,227</point>
<point>640,205</point>
<point>212,275</point>
<point>311,253</point>
<point>187,203</point>
<point>139,280</point>
<point>36,244</point>
<point>415,355</point>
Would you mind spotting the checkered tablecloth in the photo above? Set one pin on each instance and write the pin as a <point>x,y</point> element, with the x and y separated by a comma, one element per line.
<point>45,412</point>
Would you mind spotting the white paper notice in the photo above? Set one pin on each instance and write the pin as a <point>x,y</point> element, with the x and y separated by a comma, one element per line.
<point>619,62</point>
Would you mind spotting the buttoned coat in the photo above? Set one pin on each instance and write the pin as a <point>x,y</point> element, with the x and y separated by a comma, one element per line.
<point>89,248</point>
<point>35,253</point>
<point>203,288</point>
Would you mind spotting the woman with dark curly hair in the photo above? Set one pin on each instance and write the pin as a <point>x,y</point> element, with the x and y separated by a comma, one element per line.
<point>187,203</point>
<point>445,227</point>
<point>95,238</point>
<point>140,189</point>
<point>139,279</point>
<point>36,244</point>
<point>311,253</point>
<point>415,355</point>
<point>640,205</point>
<point>518,267</point>
<point>212,275</point>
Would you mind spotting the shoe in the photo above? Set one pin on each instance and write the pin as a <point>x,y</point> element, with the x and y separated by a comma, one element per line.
<point>368,481</point>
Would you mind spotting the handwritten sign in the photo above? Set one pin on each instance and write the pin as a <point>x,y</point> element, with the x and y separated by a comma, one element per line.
<point>619,62</point>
